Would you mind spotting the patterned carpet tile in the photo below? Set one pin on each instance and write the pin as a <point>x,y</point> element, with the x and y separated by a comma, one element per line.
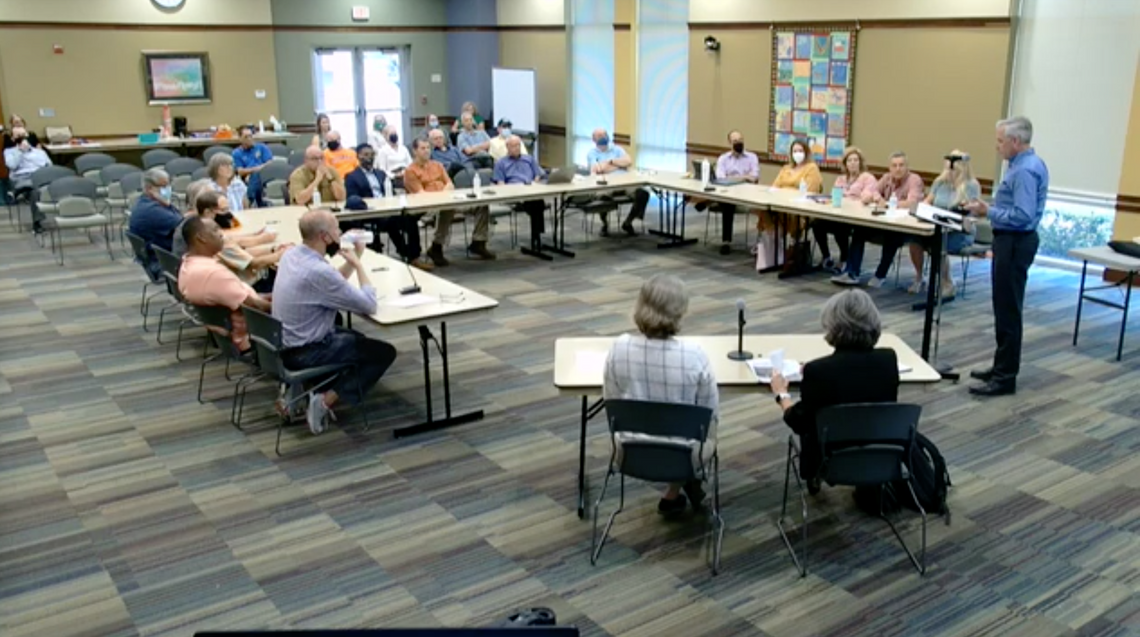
<point>129,508</point>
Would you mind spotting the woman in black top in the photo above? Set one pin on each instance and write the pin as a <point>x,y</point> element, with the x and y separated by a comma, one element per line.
<point>855,373</point>
<point>15,122</point>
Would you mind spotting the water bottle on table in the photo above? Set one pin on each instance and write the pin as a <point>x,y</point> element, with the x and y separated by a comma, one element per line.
<point>706,169</point>
<point>837,197</point>
<point>803,188</point>
<point>893,202</point>
<point>477,184</point>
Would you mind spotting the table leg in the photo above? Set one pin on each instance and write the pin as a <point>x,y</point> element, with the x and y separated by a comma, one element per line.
<point>431,423</point>
<point>933,288</point>
<point>588,412</point>
<point>670,205</point>
<point>1124,319</point>
<point>559,246</point>
<point>1080,302</point>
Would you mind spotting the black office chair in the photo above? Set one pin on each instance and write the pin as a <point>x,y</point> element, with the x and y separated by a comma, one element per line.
<point>865,444</point>
<point>265,334</point>
<point>158,157</point>
<point>218,318</point>
<point>138,246</point>
<point>170,266</point>
<point>660,461</point>
<point>214,150</point>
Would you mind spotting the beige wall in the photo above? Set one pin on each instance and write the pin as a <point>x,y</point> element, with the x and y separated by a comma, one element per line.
<point>792,10</point>
<point>243,12</point>
<point>530,12</point>
<point>1128,223</point>
<point>544,51</point>
<point>97,85</point>
<point>913,101</point>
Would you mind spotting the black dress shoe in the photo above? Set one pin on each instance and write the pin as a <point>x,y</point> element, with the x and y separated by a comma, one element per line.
<point>814,485</point>
<point>993,388</point>
<point>725,249</point>
<point>696,494</point>
<point>627,228</point>
<point>672,507</point>
<point>984,375</point>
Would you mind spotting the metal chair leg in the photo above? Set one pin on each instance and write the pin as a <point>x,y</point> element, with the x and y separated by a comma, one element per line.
<point>717,520</point>
<point>789,472</point>
<point>920,562</point>
<point>596,544</point>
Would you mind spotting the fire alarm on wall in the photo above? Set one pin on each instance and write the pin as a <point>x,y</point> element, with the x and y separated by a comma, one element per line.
<point>57,49</point>
<point>360,14</point>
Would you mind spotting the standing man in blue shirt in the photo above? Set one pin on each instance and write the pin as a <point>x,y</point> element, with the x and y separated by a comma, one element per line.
<point>607,158</point>
<point>517,168</point>
<point>1018,203</point>
<point>249,159</point>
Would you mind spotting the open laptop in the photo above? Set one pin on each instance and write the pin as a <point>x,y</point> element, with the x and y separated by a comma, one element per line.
<point>562,175</point>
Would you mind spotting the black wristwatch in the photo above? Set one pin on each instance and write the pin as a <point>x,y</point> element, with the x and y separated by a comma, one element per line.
<point>782,396</point>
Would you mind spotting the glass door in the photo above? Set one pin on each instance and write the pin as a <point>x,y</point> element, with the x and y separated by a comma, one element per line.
<point>355,85</point>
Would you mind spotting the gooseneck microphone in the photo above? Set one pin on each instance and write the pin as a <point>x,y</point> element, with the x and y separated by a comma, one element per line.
<point>740,354</point>
<point>414,288</point>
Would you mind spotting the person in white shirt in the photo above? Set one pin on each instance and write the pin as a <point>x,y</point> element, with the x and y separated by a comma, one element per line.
<point>22,160</point>
<point>392,157</point>
<point>498,147</point>
<point>655,366</point>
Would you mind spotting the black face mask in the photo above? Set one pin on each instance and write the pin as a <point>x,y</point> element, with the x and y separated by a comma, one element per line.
<point>393,138</point>
<point>738,147</point>
<point>334,145</point>
<point>224,221</point>
<point>332,249</point>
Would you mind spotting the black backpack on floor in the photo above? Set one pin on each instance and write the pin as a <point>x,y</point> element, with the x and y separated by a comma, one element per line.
<point>929,476</point>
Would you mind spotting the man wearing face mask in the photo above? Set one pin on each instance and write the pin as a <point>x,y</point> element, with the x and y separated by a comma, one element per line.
<point>607,158</point>
<point>307,296</point>
<point>154,217</point>
<point>340,159</point>
<point>379,132</point>
<point>735,165</point>
<point>498,147</point>
<point>367,182</point>
<point>249,256</point>
<point>392,157</point>
<point>431,124</point>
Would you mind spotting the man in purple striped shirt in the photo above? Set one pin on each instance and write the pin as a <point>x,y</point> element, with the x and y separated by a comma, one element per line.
<point>308,294</point>
<point>735,165</point>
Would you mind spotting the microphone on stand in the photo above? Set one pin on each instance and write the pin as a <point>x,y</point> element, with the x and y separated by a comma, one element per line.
<point>414,288</point>
<point>740,354</point>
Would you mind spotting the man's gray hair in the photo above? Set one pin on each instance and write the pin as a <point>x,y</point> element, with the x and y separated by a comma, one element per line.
<point>661,304</point>
<point>898,154</point>
<point>154,177</point>
<point>851,321</point>
<point>1019,128</point>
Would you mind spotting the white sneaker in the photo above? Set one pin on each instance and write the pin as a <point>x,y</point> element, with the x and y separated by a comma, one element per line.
<point>875,282</point>
<point>846,278</point>
<point>319,414</point>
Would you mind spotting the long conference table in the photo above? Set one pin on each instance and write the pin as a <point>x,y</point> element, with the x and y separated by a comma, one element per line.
<point>670,217</point>
<point>438,300</point>
<point>579,370</point>
<point>121,144</point>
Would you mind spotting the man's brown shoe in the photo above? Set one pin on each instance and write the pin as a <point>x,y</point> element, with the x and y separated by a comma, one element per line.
<point>435,253</point>
<point>479,249</point>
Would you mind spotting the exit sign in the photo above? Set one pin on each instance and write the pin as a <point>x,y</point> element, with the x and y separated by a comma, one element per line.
<point>360,14</point>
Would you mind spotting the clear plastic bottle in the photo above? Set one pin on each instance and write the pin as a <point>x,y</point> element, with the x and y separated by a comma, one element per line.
<point>803,188</point>
<point>477,185</point>
<point>706,168</point>
<point>388,192</point>
<point>893,202</point>
<point>317,198</point>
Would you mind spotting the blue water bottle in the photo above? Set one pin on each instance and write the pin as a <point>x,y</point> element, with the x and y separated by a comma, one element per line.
<point>836,197</point>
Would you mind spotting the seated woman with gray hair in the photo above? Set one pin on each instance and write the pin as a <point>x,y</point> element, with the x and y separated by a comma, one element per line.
<point>655,366</point>
<point>856,372</point>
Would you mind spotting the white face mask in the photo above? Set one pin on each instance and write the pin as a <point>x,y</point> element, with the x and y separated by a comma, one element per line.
<point>798,157</point>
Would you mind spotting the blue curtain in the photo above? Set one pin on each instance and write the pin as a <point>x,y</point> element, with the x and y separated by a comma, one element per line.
<point>662,83</point>
<point>592,72</point>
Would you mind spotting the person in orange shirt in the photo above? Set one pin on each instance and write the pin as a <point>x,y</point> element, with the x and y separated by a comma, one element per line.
<point>342,160</point>
<point>426,175</point>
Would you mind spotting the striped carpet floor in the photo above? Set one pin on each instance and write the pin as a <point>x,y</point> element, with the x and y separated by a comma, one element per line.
<point>128,508</point>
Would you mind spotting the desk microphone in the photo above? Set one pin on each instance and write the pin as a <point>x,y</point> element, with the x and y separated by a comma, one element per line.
<point>414,288</point>
<point>740,354</point>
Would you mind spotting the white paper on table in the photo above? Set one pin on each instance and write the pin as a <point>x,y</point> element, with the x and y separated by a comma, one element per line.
<point>904,368</point>
<point>591,361</point>
<point>776,357</point>
<point>763,367</point>
<point>412,300</point>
